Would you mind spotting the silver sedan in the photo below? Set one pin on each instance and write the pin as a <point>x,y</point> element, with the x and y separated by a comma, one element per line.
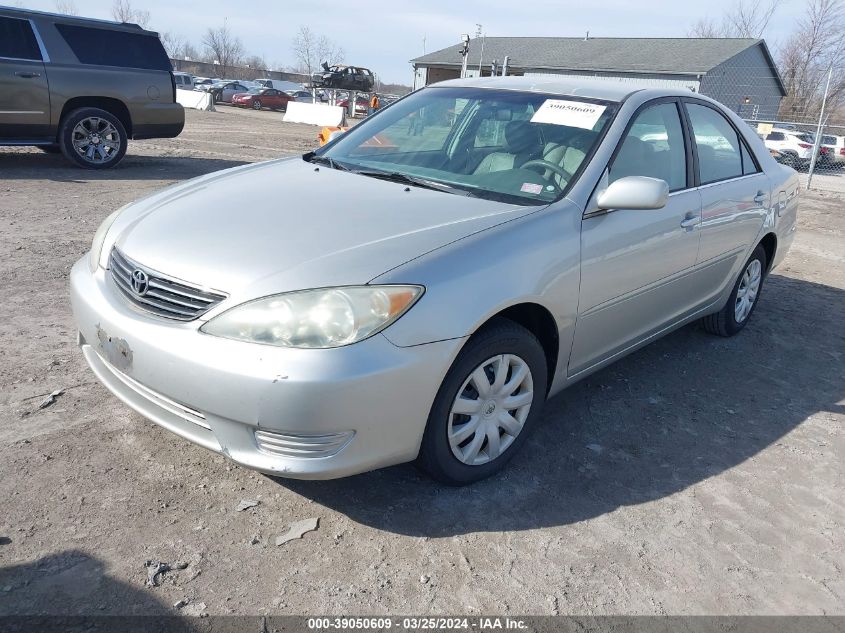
<point>499,239</point>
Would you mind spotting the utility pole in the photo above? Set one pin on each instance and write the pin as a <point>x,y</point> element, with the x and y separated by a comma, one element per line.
<point>818,140</point>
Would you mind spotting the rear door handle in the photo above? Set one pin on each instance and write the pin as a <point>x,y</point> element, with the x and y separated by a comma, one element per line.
<point>27,75</point>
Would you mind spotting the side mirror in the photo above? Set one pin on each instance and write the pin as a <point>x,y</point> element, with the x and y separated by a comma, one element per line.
<point>634,192</point>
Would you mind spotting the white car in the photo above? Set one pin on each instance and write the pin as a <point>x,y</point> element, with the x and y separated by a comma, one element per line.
<point>183,81</point>
<point>796,147</point>
<point>835,146</point>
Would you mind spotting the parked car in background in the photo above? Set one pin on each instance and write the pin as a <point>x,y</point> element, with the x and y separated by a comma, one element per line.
<point>201,82</point>
<point>83,87</point>
<point>362,104</point>
<point>262,98</point>
<point>223,92</point>
<point>525,237</point>
<point>303,96</point>
<point>279,84</point>
<point>345,77</point>
<point>834,150</point>
<point>796,147</point>
<point>183,81</point>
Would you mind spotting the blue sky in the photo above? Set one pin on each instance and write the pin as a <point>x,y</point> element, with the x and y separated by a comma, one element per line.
<point>385,34</point>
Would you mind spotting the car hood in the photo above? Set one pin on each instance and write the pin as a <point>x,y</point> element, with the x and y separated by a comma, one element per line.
<point>289,225</point>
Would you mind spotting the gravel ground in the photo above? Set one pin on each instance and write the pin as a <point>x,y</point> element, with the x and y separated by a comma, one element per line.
<point>712,483</point>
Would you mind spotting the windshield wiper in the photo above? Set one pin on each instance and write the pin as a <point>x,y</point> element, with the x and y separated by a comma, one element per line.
<point>395,176</point>
<point>312,157</point>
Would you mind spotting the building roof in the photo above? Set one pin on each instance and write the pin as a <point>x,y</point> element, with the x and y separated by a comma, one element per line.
<point>586,87</point>
<point>682,55</point>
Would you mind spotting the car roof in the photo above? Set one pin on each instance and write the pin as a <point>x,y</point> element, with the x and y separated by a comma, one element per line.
<point>590,88</point>
<point>74,19</point>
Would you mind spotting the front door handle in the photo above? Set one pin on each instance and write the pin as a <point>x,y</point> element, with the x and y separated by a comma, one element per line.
<point>690,221</point>
<point>27,75</point>
<point>760,198</point>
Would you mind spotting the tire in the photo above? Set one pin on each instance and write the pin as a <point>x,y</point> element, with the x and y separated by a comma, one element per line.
<point>725,322</point>
<point>53,148</point>
<point>256,105</point>
<point>102,126</point>
<point>501,341</point>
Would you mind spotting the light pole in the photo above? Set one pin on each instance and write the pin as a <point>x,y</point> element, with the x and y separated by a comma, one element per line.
<point>818,141</point>
<point>464,51</point>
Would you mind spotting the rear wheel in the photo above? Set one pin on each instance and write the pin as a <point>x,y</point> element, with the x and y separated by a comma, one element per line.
<point>486,405</point>
<point>93,138</point>
<point>746,292</point>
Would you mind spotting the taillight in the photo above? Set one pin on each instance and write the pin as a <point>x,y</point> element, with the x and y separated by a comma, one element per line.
<point>842,151</point>
<point>804,145</point>
<point>173,83</point>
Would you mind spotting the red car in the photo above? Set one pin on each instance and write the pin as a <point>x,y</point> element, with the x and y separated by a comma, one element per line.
<point>362,104</point>
<point>263,98</point>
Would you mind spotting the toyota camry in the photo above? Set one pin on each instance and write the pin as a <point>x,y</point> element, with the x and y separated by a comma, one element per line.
<point>467,252</point>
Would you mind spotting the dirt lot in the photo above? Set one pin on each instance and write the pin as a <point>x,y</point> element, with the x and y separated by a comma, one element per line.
<point>714,483</point>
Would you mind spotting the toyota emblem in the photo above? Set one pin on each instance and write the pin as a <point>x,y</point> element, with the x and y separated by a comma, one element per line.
<point>140,282</point>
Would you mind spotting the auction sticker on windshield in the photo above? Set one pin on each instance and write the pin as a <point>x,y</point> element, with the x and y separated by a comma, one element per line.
<point>570,113</point>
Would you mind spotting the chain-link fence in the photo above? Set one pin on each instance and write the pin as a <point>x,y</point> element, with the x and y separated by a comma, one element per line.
<point>799,114</point>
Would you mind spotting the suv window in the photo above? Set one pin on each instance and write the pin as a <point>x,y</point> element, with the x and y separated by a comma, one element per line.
<point>654,147</point>
<point>105,47</point>
<point>719,154</point>
<point>17,41</point>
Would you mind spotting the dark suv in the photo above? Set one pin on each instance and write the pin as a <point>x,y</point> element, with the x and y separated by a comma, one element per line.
<point>83,87</point>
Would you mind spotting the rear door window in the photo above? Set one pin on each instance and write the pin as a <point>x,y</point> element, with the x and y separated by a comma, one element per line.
<point>105,47</point>
<point>17,41</point>
<point>719,153</point>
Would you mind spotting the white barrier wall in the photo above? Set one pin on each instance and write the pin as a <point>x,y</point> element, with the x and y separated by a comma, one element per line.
<point>195,100</point>
<point>314,113</point>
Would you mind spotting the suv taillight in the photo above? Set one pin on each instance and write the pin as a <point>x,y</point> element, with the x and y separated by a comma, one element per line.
<point>804,145</point>
<point>173,83</point>
<point>842,151</point>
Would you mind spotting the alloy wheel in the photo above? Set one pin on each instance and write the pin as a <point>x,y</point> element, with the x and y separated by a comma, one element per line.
<point>746,294</point>
<point>490,409</point>
<point>96,140</point>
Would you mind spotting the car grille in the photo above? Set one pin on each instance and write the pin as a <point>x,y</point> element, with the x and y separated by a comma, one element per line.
<point>161,296</point>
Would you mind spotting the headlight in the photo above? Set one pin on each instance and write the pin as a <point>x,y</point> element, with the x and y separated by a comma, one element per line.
<point>328,317</point>
<point>99,240</point>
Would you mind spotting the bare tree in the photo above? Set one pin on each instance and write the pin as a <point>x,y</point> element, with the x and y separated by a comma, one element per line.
<point>311,49</point>
<point>747,18</point>
<point>223,47</point>
<point>173,44</point>
<point>67,7</point>
<point>814,48</point>
<point>123,11</point>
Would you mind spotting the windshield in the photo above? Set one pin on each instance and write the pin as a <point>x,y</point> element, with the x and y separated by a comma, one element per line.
<point>518,147</point>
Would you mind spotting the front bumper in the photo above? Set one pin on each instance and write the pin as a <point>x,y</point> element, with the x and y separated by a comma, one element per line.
<point>363,406</point>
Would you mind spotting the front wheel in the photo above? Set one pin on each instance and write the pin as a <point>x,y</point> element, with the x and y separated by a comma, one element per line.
<point>93,138</point>
<point>486,405</point>
<point>746,292</point>
<point>256,105</point>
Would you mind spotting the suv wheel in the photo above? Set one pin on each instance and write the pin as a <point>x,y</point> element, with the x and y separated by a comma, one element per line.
<point>486,406</point>
<point>93,138</point>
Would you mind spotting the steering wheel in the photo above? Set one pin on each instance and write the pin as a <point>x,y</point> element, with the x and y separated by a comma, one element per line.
<point>560,171</point>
